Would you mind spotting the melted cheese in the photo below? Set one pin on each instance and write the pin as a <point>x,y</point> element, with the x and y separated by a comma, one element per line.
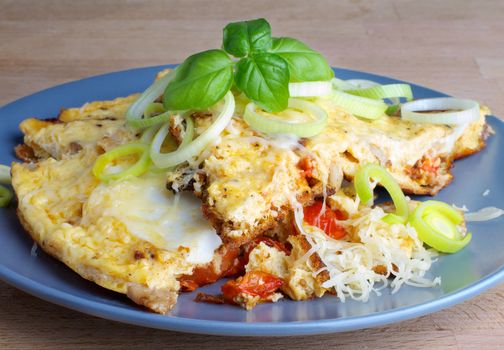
<point>99,109</point>
<point>250,174</point>
<point>59,140</point>
<point>385,139</point>
<point>153,214</point>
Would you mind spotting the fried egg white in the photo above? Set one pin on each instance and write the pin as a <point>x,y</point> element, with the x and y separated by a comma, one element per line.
<point>156,215</point>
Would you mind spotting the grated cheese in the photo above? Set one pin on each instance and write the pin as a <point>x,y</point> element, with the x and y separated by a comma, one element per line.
<point>351,263</point>
<point>462,208</point>
<point>34,250</point>
<point>484,214</point>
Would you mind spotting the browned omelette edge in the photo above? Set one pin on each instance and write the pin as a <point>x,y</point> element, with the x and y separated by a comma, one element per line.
<point>158,300</point>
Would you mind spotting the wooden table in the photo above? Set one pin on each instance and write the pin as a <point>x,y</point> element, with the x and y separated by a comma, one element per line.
<point>453,46</point>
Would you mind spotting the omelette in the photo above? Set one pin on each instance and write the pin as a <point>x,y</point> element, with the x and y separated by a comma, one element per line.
<point>230,212</point>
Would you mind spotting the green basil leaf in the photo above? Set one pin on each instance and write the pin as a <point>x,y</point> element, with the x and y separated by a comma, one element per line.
<point>244,38</point>
<point>264,78</point>
<point>200,81</point>
<point>305,64</point>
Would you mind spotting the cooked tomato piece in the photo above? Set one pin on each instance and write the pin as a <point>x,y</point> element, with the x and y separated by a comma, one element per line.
<point>327,221</point>
<point>255,283</point>
<point>201,276</point>
<point>231,264</point>
<point>237,267</point>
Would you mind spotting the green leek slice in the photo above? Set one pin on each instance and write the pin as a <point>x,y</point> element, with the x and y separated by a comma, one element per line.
<point>137,109</point>
<point>5,176</point>
<point>276,124</point>
<point>436,225</point>
<point>189,147</point>
<point>137,169</point>
<point>458,111</point>
<point>148,120</point>
<point>380,92</point>
<point>5,196</point>
<point>310,89</point>
<point>360,106</point>
<point>365,192</point>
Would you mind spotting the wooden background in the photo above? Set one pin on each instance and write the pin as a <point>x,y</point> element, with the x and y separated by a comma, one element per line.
<point>453,46</point>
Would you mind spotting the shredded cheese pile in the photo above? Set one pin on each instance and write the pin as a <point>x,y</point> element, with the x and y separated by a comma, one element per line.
<point>374,256</point>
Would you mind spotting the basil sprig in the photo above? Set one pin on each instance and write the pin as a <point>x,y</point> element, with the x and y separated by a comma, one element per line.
<point>263,71</point>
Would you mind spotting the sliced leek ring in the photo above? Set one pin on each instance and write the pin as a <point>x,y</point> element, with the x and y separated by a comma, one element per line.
<point>436,225</point>
<point>360,106</point>
<point>372,90</point>
<point>270,124</point>
<point>5,176</point>
<point>137,169</point>
<point>136,110</point>
<point>464,111</point>
<point>380,92</point>
<point>148,120</point>
<point>310,89</point>
<point>365,191</point>
<point>191,148</point>
<point>5,196</point>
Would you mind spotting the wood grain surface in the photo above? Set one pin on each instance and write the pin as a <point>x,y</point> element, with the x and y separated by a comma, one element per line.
<point>453,46</point>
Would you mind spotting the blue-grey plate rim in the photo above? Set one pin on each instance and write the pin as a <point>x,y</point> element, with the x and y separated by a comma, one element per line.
<point>213,327</point>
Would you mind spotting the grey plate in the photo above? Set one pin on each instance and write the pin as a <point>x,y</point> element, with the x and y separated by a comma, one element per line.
<point>464,274</point>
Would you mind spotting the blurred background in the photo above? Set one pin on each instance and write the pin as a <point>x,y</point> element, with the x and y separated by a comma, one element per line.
<point>453,46</point>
